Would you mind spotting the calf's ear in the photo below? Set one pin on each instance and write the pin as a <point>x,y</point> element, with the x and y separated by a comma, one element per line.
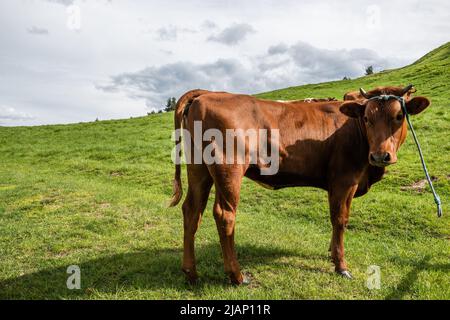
<point>353,109</point>
<point>417,105</point>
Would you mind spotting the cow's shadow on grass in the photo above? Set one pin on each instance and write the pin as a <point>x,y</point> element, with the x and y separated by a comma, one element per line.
<point>152,269</point>
<point>407,283</point>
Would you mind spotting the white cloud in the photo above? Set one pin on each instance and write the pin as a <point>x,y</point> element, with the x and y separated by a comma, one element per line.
<point>233,34</point>
<point>37,31</point>
<point>167,33</point>
<point>63,2</point>
<point>171,32</point>
<point>282,66</point>
<point>71,2</point>
<point>209,25</point>
<point>11,114</point>
<point>156,84</point>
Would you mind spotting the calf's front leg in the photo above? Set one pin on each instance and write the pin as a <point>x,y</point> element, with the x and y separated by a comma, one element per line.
<point>340,199</point>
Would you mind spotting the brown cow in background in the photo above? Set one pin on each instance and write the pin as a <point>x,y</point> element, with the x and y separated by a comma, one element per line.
<point>356,95</point>
<point>340,147</point>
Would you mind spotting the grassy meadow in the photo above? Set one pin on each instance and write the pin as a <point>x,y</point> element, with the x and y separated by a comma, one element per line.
<point>95,195</point>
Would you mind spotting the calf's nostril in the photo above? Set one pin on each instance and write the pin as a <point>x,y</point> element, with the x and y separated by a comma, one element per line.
<point>381,157</point>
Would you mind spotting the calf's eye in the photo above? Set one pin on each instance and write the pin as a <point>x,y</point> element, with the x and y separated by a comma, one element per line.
<point>399,117</point>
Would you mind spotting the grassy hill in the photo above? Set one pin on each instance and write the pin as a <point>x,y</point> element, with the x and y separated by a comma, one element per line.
<point>95,195</point>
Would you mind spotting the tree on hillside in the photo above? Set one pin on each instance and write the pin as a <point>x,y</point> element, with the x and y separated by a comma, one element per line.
<point>170,104</point>
<point>369,70</point>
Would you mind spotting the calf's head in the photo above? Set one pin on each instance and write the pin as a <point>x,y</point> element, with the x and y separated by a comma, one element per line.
<point>383,121</point>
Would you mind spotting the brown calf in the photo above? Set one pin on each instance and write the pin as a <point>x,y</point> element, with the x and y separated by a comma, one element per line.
<point>341,147</point>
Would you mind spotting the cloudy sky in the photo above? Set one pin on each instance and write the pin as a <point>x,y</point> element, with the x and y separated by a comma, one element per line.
<point>64,61</point>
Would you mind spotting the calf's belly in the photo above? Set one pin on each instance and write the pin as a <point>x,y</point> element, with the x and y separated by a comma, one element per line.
<point>284,179</point>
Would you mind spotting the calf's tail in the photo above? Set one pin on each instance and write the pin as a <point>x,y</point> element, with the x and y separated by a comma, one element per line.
<point>182,103</point>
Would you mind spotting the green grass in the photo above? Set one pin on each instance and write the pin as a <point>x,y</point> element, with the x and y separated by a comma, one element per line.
<point>95,195</point>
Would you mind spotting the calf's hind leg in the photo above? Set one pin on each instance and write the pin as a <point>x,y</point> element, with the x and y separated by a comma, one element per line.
<point>228,186</point>
<point>200,183</point>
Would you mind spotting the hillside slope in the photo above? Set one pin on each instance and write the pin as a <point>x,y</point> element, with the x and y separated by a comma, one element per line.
<point>95,195</point>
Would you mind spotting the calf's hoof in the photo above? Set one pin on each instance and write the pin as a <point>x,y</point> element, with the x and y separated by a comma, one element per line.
<point>345,274</point>
<point>241,280</point>
<point>246,280</point>
<point>191,276</point>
